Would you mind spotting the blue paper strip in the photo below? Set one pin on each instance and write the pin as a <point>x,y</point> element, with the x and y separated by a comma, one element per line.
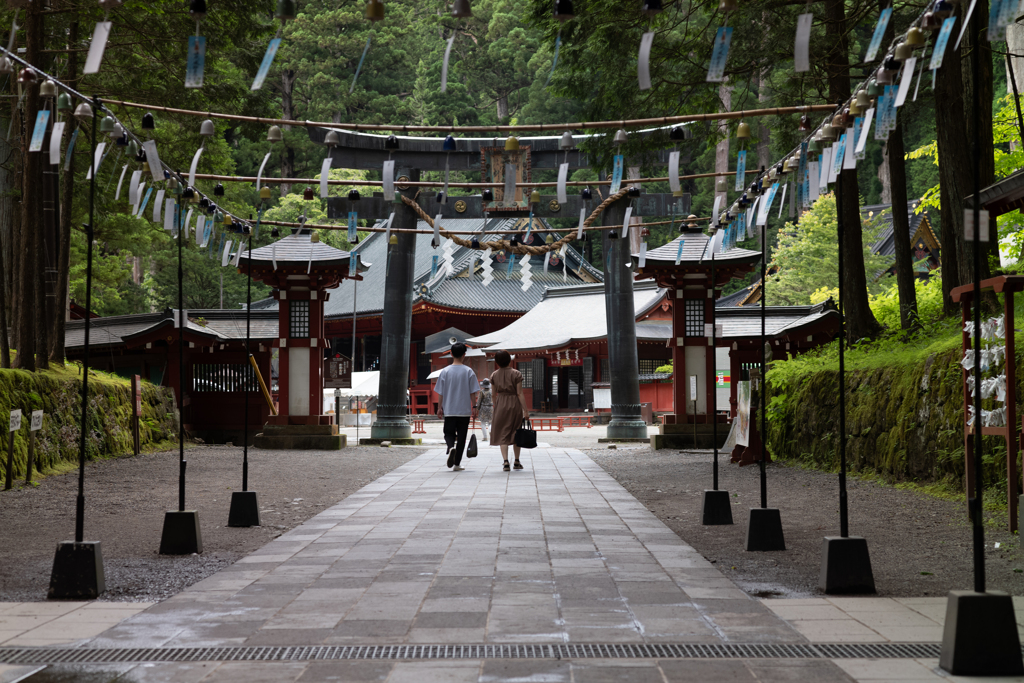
<point>876,39</point>
<point>511,264</point>
<point>940,43</point>
<point>360,66</point>
<point>196,63</point>
<point>71,150</point>
<point>268,59</point>
<point>353,263</point>
<point>617,174</point>
<point>39,132</point>
<point>741,170</point>
<point>433,265</point>
<point>554,62</point>
<point>145,200</point>
<point>716,70</point>
<point>353,216</point>
<point>679,254</point>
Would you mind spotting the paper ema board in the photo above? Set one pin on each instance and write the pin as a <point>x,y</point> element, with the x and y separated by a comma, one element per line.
<point>15,423</point>
<point>37,421</point>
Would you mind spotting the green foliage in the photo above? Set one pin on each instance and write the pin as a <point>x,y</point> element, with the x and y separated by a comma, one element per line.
<point>886,304</point>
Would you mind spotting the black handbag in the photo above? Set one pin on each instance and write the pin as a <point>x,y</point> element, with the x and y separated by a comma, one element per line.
<point>526,437</point>
<point>471,448</point>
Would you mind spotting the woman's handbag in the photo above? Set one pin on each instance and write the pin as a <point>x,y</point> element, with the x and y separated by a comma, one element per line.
<point>471,448</point>
<point>525,436</point>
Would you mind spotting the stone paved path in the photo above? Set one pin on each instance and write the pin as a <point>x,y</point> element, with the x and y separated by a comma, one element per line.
<point>556,553</point>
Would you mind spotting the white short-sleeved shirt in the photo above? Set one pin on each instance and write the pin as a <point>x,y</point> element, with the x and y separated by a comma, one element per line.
<point>455,385</point>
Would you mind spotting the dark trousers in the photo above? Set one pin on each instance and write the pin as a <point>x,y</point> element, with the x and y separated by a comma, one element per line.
<point>455,430</point>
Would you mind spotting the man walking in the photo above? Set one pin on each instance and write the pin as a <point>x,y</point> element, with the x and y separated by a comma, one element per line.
<point>458,387</point>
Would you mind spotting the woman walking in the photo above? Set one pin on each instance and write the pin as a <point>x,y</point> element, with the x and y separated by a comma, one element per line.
<point>485,407</point>
<point>509,407</point>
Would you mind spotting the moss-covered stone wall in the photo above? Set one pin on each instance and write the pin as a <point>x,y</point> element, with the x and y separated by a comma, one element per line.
<point>59,395</point>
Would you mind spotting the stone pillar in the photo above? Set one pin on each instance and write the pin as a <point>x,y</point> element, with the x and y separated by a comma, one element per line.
<point>623,362</point>
<point>392,422</point>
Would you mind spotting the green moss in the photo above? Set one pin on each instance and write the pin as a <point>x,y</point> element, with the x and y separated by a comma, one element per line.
<point>109,433</point>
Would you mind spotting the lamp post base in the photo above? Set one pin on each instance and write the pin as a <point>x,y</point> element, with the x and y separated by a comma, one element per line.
<point>181,535</point>
<point>245,511</point>
<point>393,429</point>
<point>845,566</point>
<point>764,530</point>
<point>77,571</point>
<point>980,636</point>
<point>623,429</point>
<point>717,509</point>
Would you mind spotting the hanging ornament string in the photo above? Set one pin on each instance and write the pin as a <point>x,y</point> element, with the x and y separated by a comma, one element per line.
<point>507,245</point>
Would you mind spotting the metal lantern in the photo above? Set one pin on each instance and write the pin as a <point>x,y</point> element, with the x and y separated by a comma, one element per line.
<point>207,128</point>
<point>390,144</point>
<point>307,194</point>
<point>449,144</point>
<point>285,9</point>
<point>375,10</point>
<point>218,191</point>
<point>83,112</point>
<point>332,139</point>
<point>48,89</point>
<point>564,10</point>
<point>535,196</point>
<point>567,142</point>
<point>743,131</point>
<point>27,76</point>
<point>904,51</point>
<point>487,195</point>
<point>915,38</point>
<point>652,7</point>
<point>586,195</point>
<point>6,66</point>
<point>461,9</point>
<point>620,138</point>
<point>64,102</point>
<point>264,194</point>
<point>353,195</point>
<point>274,134</point>
<point>148,122</point>
<point>197,8</point>
<point>511,144</point>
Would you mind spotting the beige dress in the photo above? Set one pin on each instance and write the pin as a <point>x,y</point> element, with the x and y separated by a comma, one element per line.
<point>508,411</point>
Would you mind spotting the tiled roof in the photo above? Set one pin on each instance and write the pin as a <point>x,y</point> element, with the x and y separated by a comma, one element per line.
<point>695,249</point>
<point>736,298</point>
<point>299,248</point>
<point>745,322</point>
<point>222,325</point>
<point>880,216</point>
<point>567,315</point>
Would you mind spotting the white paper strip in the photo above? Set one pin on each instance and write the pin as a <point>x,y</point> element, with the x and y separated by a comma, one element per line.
<point>436,242</point>
<point>834,164</point>
<point>238,254</point>
<point>510,185</point>
<point>200,228</point>
<point>444,190</point>
<point>387,228</point>
<point>259,174</point>
<point>801,56</point>
<point>325,175</point>
<point>716,210</point>
<point>827,165</point>
<point>226,254</point>
<point>966,22</point>
<point>782,200</point>
<point>751,212</point>
<point>812,172</point>
<point>188,219</point>
<point>444,64</point>
<point>643,64</point>
<point>579,228</point>
<point>863,140</point>
<point>969,225</point>
<point>908,76</point>
<point>625,222</point>
<point>158,205</point>
<point>133,188</point>
<point>96,48</point>
<point>153,157</point>
<point>792,203</point>
<point>849,158</point>
<point>563,176</point>
<point>642,260</point>
<point>273,256</point>
<point>168,212</point>
<point>192,168</point>
<point>97,158</point>
<point>120,182</point>
<point>673,171</point>
<point>388,176</point>
<point>138,198</point>
<point>55,136</point>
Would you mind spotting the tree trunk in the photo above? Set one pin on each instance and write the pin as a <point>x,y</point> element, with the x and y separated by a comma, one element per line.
<point>901,229</point>
<point>954,156</point>
<point>722,149</point>
<point>860,321</point>
<point>67,192</point>
<point>502,107</point>
<point>288,78</point>
<point>764,155</point>
<point>5,343</point>
<point>884,176</point>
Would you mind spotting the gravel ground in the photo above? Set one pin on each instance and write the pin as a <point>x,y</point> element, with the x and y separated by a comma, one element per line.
<point>919,545</point>
<point>126,499</point>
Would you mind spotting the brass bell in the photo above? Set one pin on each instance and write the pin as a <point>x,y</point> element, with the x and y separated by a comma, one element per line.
<point>904,51</point>
<point>535,197</point>
<point>564,10</point>
<point>915,38</point>
<point>854,108</point>
<point>863,99</point>
<point>48,89</point>
<point>725,6</point>
<point>375,10</point>
<point>743,131</point>
<point>314,237</point>
<point>264,193</point>
<point>461,9</point>
<point>511,144</point>
<point>393,239</point>
<point>274,134</point>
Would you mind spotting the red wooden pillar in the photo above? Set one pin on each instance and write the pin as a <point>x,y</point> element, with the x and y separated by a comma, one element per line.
<point>679,386</point>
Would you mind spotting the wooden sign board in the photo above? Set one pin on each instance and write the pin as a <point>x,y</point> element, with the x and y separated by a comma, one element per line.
<point>37,421</point>
<point>15,420</point>
<point>493,161</point>
<point>338,372</point>
<point>137,394</point>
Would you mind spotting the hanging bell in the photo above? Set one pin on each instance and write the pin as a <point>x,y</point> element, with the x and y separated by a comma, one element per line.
<point>511,144</point>
<point>721,185</point>
<point>218,190</point>
<point>883,76</point>
<point>535,196</point>
<point>930,22</point>
<point>148,123</point>
<point>725,6</point>
<point>838,121</point>
<point>854,108</point>
<point>375,10</point>
<point>744,201</point>
<point>652,7</point>
<point>48,89</point>
<point>197,8</point>
<point>64,102</point>
<point>805,123</point>
<point>391,143</point>
<point>6,65</point>
<point>474,243</point>
<point>461,9</point>
<point>308,195</point>
<point>743,131</point>
<point>188,193</point>
<point>204,203</point>
<point>891,64</point>
<point>439,197</point>
<point>773,173</point>
<point>786,167</point>
<point>274,232</point>
<point>815,145</point>
<point>679,133</point>
<point>285,9</point>
<point>873,89</point>
<point>942,9</point>
<point>108,5</point>
<point>133,149</point>
<point>393,239</point>
<point>487,195</point>
<point>904,51</point>
<point>782,169</point>
<point>274,134</point>
<point>107,124</point>
<point>353,195</point>
<point>633,191</point>
<point>83,112</point>
<point>863,99</point>
<point>118,132</point>
<point>218,216</point>
<point>515,241</point>
<point>564,10</point>
<point>123,140</point>
<point>264,194</point>
<point>586,195</point>
<point>567,142</point>
<point>332,139</point>
<point>448,145</point>
<point>173,186</point>
<point>915,38</point>
<point>227,220</point>
<point>355,238</point>
<point>206,128</point>
<point>27,76</point>
<point>828,132</point>
<point>620,138</point>
<point>613,234</point>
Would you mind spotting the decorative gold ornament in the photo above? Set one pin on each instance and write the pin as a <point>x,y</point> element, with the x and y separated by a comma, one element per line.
<point>554,206</point>
<point>460,206</point>
<point>400,180</point>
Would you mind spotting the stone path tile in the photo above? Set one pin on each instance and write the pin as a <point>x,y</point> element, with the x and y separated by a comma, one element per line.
<point>60,623</point>
<point>558,552</point>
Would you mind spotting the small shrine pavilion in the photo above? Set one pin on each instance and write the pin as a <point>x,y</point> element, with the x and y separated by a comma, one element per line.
<point>301,269</point>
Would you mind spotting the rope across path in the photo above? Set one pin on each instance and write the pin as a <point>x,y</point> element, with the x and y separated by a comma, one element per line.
<point>506,245</point>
